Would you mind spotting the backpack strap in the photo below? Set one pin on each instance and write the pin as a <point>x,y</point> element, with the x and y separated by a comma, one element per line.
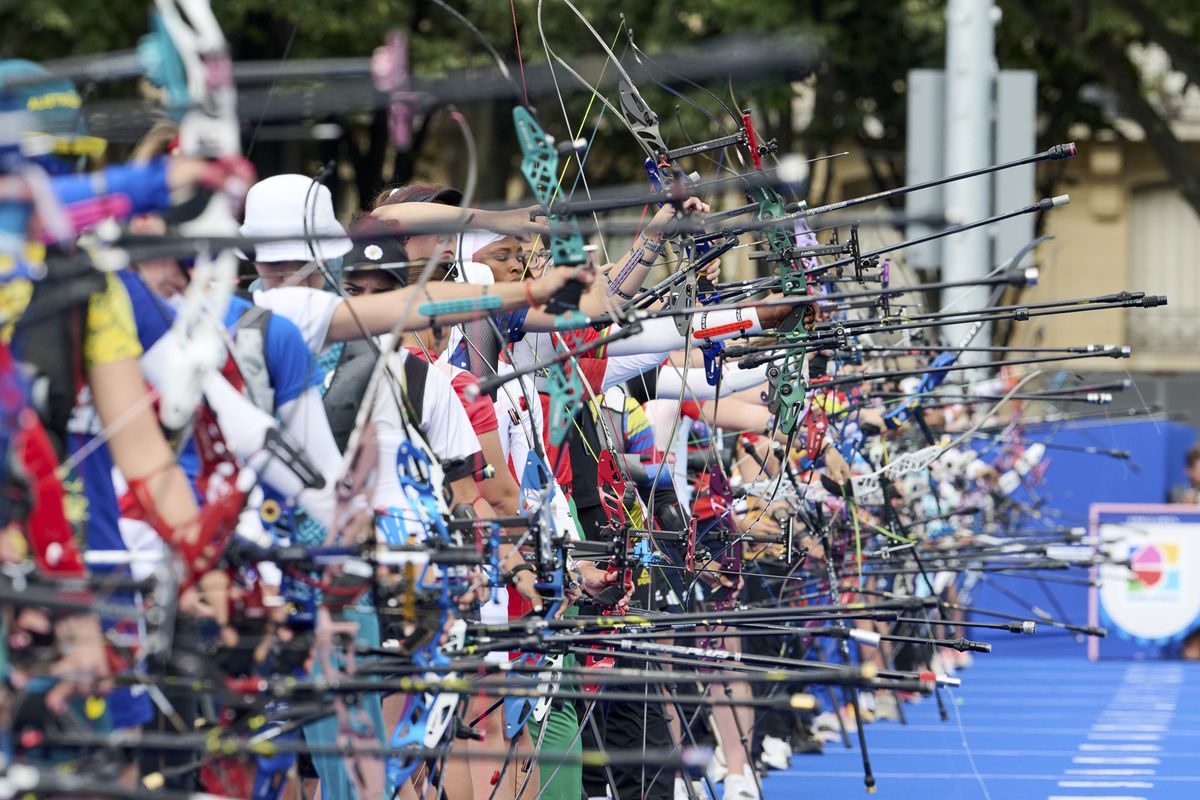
<point>346,387</point>
<point>249,352</point>
<point>416,370</point>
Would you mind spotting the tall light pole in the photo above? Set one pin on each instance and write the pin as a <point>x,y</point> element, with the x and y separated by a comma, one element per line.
<point>969,84</point>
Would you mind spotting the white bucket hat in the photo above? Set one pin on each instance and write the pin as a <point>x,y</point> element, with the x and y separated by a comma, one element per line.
<point>276,207</point>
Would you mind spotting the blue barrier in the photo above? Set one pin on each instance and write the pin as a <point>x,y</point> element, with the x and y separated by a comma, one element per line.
<point>1073,481</point>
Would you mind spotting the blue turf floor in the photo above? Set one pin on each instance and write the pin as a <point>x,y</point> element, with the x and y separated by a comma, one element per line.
<point>1027,728</point>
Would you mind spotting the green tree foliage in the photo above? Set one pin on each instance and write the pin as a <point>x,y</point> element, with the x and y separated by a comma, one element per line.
<point>858,90</point>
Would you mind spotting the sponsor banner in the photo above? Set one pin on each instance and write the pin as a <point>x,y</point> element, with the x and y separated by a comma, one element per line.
<point>1150,590</point>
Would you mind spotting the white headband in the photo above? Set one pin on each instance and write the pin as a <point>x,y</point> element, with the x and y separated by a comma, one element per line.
<point>471,242</point>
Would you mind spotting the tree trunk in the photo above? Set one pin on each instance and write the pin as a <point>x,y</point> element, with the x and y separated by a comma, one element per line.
<point>368,164</point>
<point>495,142</point>
<point>404,165</point>
<point>1184,56</point>
<point>1121,77</point>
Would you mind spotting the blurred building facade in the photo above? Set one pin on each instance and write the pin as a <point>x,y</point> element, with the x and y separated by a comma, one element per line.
<point>1127,229</point>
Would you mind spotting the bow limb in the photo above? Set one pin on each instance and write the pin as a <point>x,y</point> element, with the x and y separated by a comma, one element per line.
<point>579,159</point>
<point>641,122</point>
<point>637,116</point>
<point>194,66</point>
<point>650,142</point>
<point>209,128</point>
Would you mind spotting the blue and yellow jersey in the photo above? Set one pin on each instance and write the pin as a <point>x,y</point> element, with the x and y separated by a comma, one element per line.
<point>111,332</point>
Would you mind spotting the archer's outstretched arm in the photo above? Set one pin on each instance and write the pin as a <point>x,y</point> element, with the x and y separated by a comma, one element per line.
<point>379,313</point>
<point>136,441</point>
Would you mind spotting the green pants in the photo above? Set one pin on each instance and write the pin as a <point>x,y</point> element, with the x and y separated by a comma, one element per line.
<point>335,783</point>
<point>559,780</point>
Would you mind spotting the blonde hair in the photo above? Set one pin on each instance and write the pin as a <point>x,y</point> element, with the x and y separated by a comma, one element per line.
<point>404,193</point>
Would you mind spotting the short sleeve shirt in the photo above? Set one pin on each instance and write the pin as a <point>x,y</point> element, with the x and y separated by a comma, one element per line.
<point>112,333</point>
<point>444,421</point>
<point>289,363</point>
<point>479,407</point>
<point>311,310</point>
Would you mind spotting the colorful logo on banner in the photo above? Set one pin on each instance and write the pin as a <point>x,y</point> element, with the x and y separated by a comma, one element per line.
<point>1150,591</point>
<point>1155,568</point>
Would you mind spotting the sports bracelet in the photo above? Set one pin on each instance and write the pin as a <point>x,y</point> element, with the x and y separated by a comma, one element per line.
<point>657,247</point>
<point>654,247</point>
